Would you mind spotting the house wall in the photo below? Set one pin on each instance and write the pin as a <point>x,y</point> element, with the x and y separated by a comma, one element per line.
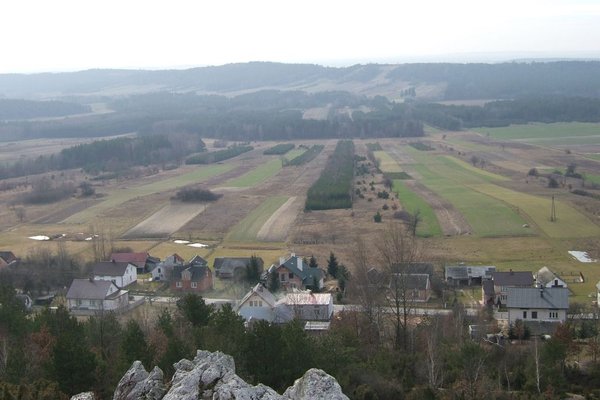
<point>118,303</point>
<point>285,281</point>
<point>312,312</point>
<point>129,277</point>
<point>542,315</point>
<point>552,283</point>
<point>256,308</point>
<point>187,285</point>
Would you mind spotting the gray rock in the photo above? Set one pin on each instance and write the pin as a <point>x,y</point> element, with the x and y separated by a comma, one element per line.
<point>137,384</point>
<point>315,384</point>
<point>84,396</point>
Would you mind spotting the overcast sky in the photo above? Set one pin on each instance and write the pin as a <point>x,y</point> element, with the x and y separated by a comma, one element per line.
<point>58,35</point>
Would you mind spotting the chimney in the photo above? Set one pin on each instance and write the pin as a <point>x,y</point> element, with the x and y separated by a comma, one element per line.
<point>299,263</point>
<point>541,291</point>
<point>281,260</point>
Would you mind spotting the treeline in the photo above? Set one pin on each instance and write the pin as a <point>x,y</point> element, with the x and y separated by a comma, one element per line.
<point>111,155</point>
<point>190,195</point>
<point>305,157</point>
<point>281,148</point>
<point>333,189</point>
<point>506,112</point>
<point>25,109</point>
<point>219,155</point>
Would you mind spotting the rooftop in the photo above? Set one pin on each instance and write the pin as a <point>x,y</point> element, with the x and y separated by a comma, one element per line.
<point>547,298</point>
<point>110,268</point>
<point>513,278</point>
<point>90,289</point>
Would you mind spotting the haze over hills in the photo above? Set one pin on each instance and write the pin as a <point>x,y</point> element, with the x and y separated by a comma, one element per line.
<point>433,81</point>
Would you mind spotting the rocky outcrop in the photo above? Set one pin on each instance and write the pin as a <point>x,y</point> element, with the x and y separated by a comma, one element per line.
<point>212,376</point>
<point>84,396</point>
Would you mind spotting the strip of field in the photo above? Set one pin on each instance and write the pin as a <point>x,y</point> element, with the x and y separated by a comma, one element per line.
<point>247,229</point>
<point>261,173</point>
<point>541,131</point>
<point>569,224</point>
<point>412,202</point>
<point>386,162</point>
<point>449,179</point>
<point>120,196</point>
<point>167,220</point>
<point>278,225</point>
<point>481,173</point>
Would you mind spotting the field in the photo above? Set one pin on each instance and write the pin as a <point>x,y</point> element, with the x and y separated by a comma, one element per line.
<point>542,132</point>
<point>262,172</point>
<point>248,229</point>
<point>386,163</point>
<point>411,202</point>
<point>166,221</point>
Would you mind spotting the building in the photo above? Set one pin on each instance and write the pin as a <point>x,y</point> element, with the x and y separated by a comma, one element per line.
<point>191,278</point>
<point>143,262</point>
<point>230,267</point>
<point>308,306</point>
<point>415,287</point>
<point>258,304</point>
<point>293,273</point>
<point>7,258</point>
<point>547,278</point>
<point>540,308</point>
<point>164,269</point>
<point>95,295</point>
<point>505,280</point>
<point>467,274</point>
<point>121,273</point>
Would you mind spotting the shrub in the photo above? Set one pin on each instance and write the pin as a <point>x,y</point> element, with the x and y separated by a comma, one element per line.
<point>196,195</point>
<point>533,172</point>
<point>552,183</point>
<point>385,207</point>
<point>377,217</point>
<point>281,148</point>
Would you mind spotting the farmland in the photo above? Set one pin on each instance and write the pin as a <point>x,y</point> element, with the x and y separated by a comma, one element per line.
<point>412,203</point>
<point>262,172</point>
<point>247,230</point>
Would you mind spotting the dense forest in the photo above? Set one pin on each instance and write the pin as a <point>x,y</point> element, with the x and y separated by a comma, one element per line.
<point>25,109</point>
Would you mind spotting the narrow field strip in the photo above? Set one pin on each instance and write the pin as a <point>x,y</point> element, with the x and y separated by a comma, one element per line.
<point>570,223</point>
<point>164,222</point>
<point>247,229</point>
<point>261,173</point>
<point>540,131</point>
<point>120,196</point>
<point>411,202</point>
<point>480,173</point>
<point>279,223</point>
<point>386,162</point>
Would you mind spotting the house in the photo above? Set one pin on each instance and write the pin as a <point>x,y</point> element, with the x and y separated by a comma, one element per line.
<point>230,267</point>
<point>308,306</point>
<point>488,292</point>
<point>539,308</point>
<point>505,280</point>
<point>164,269</point>
<point>121,273</point>
<point>467,274</point>
<point>144,262</point>
<point>293,273</point>
<point>546,278</point>
<point>257,304</point>
<point>7,258</point>
<point>191,277</point>
<point>96,295</point>
<point>415,287</point>
<point>198,261</point>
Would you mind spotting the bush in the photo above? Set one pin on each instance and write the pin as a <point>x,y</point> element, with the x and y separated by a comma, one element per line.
<point>552,183</point>
<point>533,172</point>
<point>377,217</point>
<point>196,195</point>
<point>385,207</point>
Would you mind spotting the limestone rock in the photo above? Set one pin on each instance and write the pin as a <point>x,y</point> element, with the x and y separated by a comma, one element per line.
<point>84,396</point>
<point>315,384</point>
<point>137,383</point>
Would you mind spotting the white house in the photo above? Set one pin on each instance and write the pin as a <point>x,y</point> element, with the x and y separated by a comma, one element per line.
<point>164,269</point>
<point>95,295</point>
<point>257,304</point>
<point>547,278</point>
<point>537,304</point>
<point>120,273</point>
<point>308,306</point>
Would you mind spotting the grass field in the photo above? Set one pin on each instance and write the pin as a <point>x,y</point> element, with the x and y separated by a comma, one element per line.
<point>386,162</point>
<point>412,202</point>
<point>543,131</point>
<point>569,224</point>
<point>120,196</point>
<point>262,172</point>
<point>449,178</point>
<point>247,229</point>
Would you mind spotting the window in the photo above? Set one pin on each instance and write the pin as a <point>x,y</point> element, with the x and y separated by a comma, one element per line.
<point>291,275</point>
<point>553,314</point>
<point>178,284</point>
<point>534,315</point>
<point>282,276</point>
<point>524,314</point>
<point>159,270</point>
<point>260,303</point>
<point>194,285</point>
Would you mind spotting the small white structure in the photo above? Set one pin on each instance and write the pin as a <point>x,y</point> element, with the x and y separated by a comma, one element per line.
<point>120,273</point>
<point>95,295</point>
<point>257,304</point>
<point>547,278</point>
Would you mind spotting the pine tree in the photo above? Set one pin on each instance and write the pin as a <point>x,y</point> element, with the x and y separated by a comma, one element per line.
<point>332,265</point>
<point>313,262</point>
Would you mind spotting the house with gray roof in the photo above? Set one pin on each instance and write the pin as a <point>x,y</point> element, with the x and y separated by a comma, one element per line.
<point>537,306</point>
<point>121,273</point>
<point>257,304</point>
<point>505,280</point>
<point>7,258</point>
<point>468,274</point>
<point>547,278</point>
<point>95,295</point>
<point>230,267</point>
<point>293,273</point>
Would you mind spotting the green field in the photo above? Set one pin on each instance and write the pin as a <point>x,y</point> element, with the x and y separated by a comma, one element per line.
<point>386,162</point>
<point>449,178</point>
<point>262,172</point>
<point>247,229</point>
<point>120,196</point>
<point>535,132</point>
<point>412,202</point>
<point>569,224</point>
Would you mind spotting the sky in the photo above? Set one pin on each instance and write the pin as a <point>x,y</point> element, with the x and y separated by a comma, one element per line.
<point>67,35</point>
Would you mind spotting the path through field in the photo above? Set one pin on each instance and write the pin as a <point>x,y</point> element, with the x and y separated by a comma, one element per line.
<point>277,226</point>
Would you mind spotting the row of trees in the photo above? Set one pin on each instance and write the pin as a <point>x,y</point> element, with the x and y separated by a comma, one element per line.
<point>280,148</point>
<point>333,189</point>
<point>219,155</point>
<point>305,157</point>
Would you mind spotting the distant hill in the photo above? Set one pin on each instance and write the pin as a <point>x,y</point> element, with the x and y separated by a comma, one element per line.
<point>441,81</point>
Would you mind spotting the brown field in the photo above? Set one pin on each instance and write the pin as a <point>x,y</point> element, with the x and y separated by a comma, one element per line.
<point>167,220</point>
<point>277,226</point>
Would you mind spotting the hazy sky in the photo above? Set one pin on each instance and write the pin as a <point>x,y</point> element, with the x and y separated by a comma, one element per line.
<point>55,35</point>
